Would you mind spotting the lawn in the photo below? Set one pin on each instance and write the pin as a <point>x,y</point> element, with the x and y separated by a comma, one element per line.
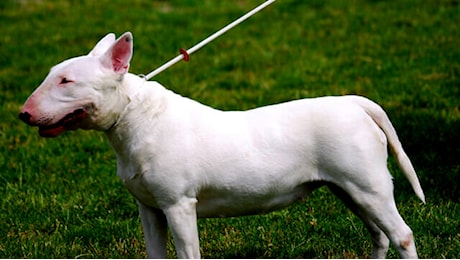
<point>61,198</point>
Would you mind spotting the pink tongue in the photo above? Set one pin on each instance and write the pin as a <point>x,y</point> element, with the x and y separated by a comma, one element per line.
<point>52,132</point>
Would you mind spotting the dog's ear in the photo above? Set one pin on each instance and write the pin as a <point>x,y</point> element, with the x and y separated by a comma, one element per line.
<point>103,45</point>
<point>118,56</point>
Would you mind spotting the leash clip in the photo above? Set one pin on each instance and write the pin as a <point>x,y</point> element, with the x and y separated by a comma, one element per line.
<point>142,76</point>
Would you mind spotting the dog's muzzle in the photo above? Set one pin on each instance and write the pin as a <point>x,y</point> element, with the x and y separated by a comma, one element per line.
<point>68,122</point>
<point>25,117</point>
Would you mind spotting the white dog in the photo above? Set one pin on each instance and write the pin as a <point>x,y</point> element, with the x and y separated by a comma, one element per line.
<point>183,160</point>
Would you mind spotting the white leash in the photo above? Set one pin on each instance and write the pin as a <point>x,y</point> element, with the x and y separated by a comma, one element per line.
<point>185,54</point>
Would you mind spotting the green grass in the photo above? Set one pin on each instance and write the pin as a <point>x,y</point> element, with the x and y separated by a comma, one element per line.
<point>61,198</point>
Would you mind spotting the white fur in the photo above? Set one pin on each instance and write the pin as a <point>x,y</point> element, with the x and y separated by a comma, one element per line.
<point>184,160</point>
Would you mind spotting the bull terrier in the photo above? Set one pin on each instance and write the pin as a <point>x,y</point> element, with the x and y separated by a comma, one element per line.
<point>183,160</point>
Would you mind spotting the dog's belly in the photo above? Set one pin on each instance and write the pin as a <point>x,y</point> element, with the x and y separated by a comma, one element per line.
<point>217,203</point>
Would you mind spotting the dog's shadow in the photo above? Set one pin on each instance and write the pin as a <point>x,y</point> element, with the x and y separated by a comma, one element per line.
<point>432,142</point>
<point>251,253</point>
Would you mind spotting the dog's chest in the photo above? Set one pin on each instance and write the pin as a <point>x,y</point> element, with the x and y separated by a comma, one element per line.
<point>138,187</point>
<point>219,201</point>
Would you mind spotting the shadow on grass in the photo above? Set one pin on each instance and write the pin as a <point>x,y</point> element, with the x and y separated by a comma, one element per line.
<point>433,144</point>
<point>249,253</point>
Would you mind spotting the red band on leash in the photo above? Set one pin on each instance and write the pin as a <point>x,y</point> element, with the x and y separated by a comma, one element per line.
<point>185,53</point>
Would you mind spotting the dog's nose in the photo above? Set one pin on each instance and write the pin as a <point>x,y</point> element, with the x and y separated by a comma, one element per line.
<point>24,116</point>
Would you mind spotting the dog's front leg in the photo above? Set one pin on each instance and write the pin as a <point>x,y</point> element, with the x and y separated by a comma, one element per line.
<point>182,220</point>
<point>155,229</point>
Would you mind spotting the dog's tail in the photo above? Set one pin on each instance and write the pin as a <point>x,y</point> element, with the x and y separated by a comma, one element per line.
<point>381,119</point>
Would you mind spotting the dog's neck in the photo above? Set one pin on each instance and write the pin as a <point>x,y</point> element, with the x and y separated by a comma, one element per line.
<point>127,91</point>
<point>142,99</point>
<point>132,85</point>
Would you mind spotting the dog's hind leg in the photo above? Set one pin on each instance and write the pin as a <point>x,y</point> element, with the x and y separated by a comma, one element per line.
<point>373,195</point>
<point>379,239</point>
<point>391,222</point>
<point>155,229</point>
<point>182,221</point>
<point>388,219</point>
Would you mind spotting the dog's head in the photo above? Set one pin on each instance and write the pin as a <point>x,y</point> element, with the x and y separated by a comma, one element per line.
<point>82,92</point>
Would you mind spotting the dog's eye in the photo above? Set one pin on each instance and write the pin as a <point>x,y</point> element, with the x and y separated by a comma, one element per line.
<point>65,81</point>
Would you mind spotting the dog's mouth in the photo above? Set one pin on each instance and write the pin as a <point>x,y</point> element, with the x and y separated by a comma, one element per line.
<point>68,122</point>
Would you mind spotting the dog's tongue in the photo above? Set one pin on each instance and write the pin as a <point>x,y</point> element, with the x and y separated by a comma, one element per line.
<point>51,132</point>
<point>66,123</point>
